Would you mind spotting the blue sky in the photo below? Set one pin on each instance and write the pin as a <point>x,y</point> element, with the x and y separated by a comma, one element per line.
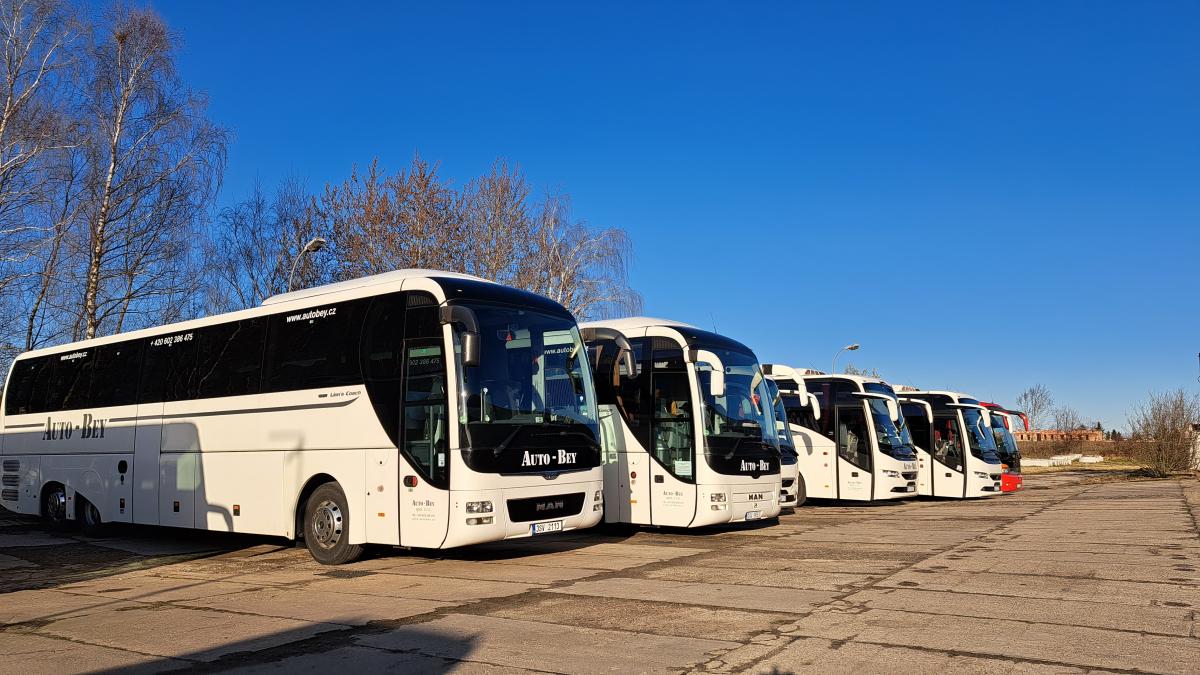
<point>985,196</point>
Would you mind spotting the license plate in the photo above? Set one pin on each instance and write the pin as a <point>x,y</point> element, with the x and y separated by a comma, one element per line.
<point>543,528</point>
<point>910,488</point>
<point>753,515</point>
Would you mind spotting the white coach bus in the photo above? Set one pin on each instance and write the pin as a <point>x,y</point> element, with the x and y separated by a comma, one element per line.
<point>689,431</point>
<point>958,440</point>
<point>856,419</point>
<point>413,408</point>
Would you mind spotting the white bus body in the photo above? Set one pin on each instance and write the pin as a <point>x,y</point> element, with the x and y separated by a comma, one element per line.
<point>232,422</point>
<point>960,448</point>
<point>851,449</point>
<point>664,464</point>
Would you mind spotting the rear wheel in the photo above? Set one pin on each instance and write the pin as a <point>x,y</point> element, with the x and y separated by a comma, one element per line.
<point>54,504</point>
<point>327,527</point>
<point>89,517</point>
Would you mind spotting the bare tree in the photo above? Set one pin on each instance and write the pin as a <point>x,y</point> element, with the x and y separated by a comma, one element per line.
<point>1166,429</point>
<point>155,161</point>
<point>1036,403</point>
<point>36,35</point>
<point>851,369</point>
<point>254,244</point>
<point>584,269</point>
<point>1066,418</point>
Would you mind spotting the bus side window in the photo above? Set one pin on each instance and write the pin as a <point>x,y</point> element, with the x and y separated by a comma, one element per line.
<point>314,347</point>
<point>382,356</point>
<point>671,438</point>
<point>168,368</point>
<point>115,375</point>
<point>70,381</point>
<point>27,387</point>
<point>229,359</point>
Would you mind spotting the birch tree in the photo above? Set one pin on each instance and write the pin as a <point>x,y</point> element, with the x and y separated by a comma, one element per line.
<point>155,163</point>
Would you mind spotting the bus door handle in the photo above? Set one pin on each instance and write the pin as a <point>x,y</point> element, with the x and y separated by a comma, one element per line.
<point>658,478</point>
<point>947,475</point>
<point>854,474</point>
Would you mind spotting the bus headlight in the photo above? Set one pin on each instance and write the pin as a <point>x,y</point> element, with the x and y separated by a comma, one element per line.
<point>479,507</point>
<point>981,474</point>
<point>599,496</point>
<point>718,497</point>
<point>598,501</point>
<point>888,473</point>
<point>486,520</point>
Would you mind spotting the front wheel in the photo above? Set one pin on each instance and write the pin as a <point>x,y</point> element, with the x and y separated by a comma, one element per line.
<point>89,518</point>
<point>801,493</point>
<point>327,527</point>
<point>54,504</point>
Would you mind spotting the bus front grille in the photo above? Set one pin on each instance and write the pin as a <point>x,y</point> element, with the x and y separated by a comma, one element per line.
<point>13,465</point>
<point>909,475</point>
<point>10,495</point>
<point>541,508</point>
<point>11,480</point>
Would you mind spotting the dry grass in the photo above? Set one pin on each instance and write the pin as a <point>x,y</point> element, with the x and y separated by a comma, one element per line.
<point>1045,449</point>
<point>1109,464</point>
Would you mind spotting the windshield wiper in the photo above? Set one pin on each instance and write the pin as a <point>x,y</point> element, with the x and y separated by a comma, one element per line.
<point>503,445</point>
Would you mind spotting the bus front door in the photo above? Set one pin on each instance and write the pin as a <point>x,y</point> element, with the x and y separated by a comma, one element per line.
<point>949,476</point>
<point>424,447</point>
<point>854,453</point>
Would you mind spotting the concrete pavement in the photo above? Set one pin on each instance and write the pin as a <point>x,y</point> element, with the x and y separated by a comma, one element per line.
<point>1074,574</point>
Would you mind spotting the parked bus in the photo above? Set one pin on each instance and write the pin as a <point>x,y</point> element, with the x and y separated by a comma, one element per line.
<point>1006,444</point>
<point>791,493</point>
<point>413,408</point>
<point>857,415</point>
<point>962,449</point>
<point>689,430</point>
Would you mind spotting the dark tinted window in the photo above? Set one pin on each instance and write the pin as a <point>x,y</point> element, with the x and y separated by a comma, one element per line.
<point>168,368</point>
<point>947,441</point>
<point>382,359</point>
<point>315,347</point>
<point>634,391</point>
<point>115,374</point>
<point>229,359</point>
<point>70,381</point>
<point>918,426</point>
<point>27,386</point>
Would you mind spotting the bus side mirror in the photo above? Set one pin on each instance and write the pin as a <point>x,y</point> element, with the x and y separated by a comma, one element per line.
<point>470,348</point>
<point>716,384</point>
<point>593,334</point>
<point>987,417</point>
<point>816,409</point>
<point>893,410</point>
<point>464,316</point>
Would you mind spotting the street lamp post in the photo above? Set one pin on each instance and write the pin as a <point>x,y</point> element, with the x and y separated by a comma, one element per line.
<point>316,244</point>
<point>847,348</point>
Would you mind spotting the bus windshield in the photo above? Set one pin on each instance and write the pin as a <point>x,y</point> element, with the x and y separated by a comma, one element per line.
<point>741,421</point>
<point>890,441</point>
<point>529,405</point>
<point>983,443</point>
<point>1006,445</point>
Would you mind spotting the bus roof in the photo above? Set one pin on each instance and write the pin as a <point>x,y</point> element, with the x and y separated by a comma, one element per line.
<point>392,277</point>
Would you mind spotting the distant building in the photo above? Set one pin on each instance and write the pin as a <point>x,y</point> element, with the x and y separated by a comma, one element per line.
<point>1056,435</point>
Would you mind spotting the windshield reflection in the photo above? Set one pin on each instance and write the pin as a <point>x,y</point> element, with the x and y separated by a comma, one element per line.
<point>886,434</point>
<point>982,441</point>
<point>741,420</point>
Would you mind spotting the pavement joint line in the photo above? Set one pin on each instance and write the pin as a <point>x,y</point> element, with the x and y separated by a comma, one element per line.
<point>63,638</point>
<point>873,584</point>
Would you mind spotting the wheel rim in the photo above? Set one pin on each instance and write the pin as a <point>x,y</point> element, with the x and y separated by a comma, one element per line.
<point>56,505</point>
<point>327,523</point>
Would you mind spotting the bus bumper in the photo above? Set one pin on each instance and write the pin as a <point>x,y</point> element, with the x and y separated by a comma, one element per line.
<point>524,512</point>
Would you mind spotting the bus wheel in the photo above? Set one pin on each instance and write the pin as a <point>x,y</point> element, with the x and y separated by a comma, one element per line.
<point>54,504</point>
<point>801,494</point>
<point>89,518</point>
<point>327,526</point>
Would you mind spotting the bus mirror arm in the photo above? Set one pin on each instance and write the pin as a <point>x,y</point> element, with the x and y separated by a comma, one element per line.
<point>598,333</point>
<point>465,316</point>
<point>716,383</point>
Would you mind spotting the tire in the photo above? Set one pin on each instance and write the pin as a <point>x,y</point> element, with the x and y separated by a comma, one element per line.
<point>327,526</point>
<point>801,493</point>
<point>88,517</point>
<point>54,504</point>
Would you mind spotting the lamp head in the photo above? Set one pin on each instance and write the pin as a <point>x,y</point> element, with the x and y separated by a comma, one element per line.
<point>315,245</point>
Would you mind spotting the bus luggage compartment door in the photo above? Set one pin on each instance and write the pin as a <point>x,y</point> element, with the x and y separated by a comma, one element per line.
<point>425,510</point>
